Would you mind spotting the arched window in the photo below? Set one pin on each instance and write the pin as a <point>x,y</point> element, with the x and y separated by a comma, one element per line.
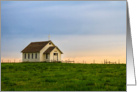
<point>25,55</point>
<point>32,55</point>
<point>46,56</point>
<point>36,55</point>
<point>28,56</point>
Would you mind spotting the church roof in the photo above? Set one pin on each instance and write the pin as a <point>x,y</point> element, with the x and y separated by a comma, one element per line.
<point>51,48</point>
<point>35,47</point>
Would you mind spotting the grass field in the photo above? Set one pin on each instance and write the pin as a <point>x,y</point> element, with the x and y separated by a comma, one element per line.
<point>62,77</point>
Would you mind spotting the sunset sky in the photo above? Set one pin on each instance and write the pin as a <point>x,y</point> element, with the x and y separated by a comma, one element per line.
<point>83,30</point>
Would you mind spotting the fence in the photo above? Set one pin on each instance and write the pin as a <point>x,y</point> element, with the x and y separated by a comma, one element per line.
<point>11,60</point>
<point>63,61</point>
<point>109,62</point>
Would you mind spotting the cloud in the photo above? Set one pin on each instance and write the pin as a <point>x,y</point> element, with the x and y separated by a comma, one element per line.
<point>86,27</point>
<point>72,18</point>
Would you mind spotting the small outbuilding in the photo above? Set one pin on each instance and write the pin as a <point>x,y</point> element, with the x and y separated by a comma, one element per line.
<point>41,51</point>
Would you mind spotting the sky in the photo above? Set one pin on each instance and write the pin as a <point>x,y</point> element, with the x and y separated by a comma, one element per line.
<point>83,30</point>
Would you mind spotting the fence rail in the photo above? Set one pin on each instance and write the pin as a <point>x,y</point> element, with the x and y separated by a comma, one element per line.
<point>63,61</point>
<point>11,60</point>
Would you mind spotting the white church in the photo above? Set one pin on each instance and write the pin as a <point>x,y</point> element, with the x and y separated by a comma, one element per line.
<point>41,51</point>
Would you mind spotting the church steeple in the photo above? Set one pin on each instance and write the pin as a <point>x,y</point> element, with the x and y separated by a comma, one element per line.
<point>49,37</point>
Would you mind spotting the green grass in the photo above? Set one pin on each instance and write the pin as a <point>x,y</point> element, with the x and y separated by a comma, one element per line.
<point>62,77</point>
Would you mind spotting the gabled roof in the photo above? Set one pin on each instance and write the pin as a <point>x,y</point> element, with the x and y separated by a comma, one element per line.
<point>51,48</point>
<point>35,47</point>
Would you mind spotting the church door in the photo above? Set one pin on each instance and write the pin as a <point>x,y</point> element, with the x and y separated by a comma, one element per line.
<point>55,56</point>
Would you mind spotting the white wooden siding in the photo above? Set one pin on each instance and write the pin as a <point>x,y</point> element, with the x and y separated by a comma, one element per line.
<point>30,58</point>
<point>43,56</point>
